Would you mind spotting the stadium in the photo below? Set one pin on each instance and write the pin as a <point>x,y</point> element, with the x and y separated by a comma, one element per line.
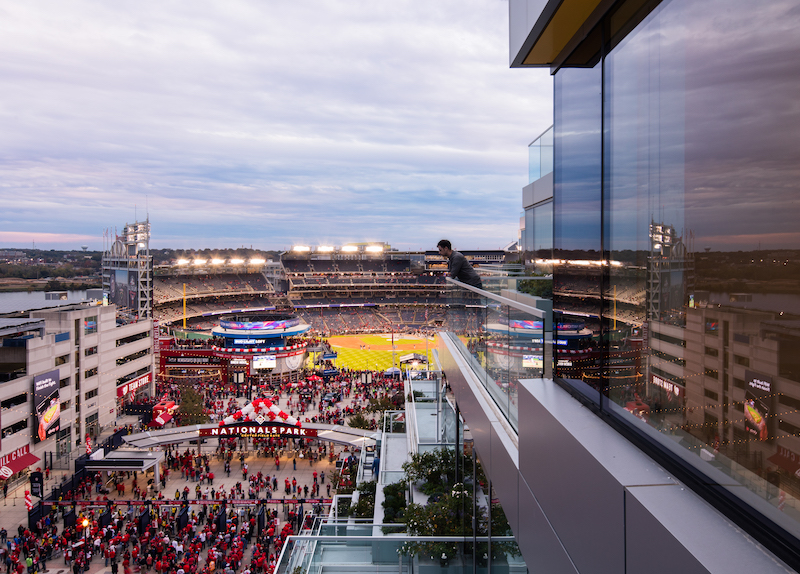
<point>370,289</point>
<point>213,315</point>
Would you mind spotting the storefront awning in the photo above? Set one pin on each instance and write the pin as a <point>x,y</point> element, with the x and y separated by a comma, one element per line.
<point>161,419</point>
<point>19,463</point>
<point>787,462</point>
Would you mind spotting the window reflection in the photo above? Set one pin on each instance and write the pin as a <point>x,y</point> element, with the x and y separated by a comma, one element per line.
<point>690,320</point>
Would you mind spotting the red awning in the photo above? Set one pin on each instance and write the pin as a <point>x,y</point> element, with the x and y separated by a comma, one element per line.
<point>19,463</point>
<point>161,419</point>
<point>789,463</point>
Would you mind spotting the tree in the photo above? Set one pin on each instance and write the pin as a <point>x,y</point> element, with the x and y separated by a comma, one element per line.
<point>435,469</point>
<point>191,409</point>
<point>358,421</point>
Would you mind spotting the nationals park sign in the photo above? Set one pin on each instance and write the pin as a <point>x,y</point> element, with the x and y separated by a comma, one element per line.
<point>254,429</point>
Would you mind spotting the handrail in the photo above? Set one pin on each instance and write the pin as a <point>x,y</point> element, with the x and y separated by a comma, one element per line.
<point>500,299</point>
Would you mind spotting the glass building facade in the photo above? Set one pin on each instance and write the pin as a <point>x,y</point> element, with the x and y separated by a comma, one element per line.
<point>674,216</point>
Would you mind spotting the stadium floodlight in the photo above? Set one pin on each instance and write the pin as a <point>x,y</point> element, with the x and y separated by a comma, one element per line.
<point>217,261</point>
<point>237,261</point>
<point>375,248</point>
<point>324,248</point>
<point>301,248</point>
<point>257,261</point>
<point>183,262</point>
<point>350,248</point>
<point>199,261</point>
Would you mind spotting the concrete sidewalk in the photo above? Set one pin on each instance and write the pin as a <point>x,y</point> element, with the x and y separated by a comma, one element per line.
<point>14,513</point>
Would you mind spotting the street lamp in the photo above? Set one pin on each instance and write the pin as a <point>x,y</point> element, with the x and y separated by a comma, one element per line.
<point>85,528</point>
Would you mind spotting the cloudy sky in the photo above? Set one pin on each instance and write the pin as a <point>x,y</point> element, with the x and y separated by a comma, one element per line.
<point>264,123</point>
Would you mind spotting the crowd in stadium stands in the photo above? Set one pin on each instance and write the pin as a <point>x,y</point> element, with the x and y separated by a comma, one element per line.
<point>316,282</point>
<point>306,266</point>
<point>361,280</point>
<point>168,288</point>
<point>215,304</point>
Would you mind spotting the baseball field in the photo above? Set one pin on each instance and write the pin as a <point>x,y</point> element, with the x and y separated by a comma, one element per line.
<point>374,352</point>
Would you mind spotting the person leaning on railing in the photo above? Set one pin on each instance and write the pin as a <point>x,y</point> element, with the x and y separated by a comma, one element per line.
<point>457,265</point>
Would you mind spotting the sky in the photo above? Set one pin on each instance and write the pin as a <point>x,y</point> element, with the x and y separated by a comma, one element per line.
<point>264,124</point>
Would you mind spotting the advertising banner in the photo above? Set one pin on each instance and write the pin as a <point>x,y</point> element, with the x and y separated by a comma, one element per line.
<point>259,325</point>
<point>192,360</point>
<point>759,405</point>
<point>133,290</point>
<point>264,362</point>
<point>123,286</point>
<point>46,405</point>
<point>37,484</point>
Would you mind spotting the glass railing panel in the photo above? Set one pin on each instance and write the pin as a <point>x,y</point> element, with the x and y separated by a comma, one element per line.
<point>540,156</point>
<point>408,553</point>
<point>502,341</point>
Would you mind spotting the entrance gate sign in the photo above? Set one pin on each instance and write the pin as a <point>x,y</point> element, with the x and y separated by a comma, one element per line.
<point>269,430</point>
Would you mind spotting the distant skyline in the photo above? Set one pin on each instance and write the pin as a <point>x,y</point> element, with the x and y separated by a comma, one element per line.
<point>264,124</point>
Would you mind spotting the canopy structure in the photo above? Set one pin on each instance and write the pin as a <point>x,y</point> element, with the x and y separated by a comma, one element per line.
<point>191,433</point>
<point>128,459</point>
<point>413,357</point>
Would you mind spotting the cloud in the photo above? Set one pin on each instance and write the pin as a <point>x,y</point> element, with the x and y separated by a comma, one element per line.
<point>257,123</point>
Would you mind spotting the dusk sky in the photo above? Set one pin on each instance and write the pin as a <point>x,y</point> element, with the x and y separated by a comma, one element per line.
<point>264,123</point>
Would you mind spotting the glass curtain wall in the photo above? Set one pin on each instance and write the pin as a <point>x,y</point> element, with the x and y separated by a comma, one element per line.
<point>676,207</point>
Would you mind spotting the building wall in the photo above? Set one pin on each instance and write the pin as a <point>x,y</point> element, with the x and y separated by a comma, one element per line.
<point>90,373</point>
<point>581,498</point>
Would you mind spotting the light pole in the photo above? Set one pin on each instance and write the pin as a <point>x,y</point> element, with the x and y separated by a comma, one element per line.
<point>85,530</point>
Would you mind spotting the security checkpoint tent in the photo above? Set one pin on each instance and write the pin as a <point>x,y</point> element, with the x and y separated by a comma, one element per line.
<point>127,459</point>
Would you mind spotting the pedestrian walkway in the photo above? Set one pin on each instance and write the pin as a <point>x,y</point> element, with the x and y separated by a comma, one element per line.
<point>13,511</point>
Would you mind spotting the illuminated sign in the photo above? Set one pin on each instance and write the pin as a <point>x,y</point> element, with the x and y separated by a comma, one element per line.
<point>273,430</point>
<point>265,362</point>
<point>47,405</point>
<point>259,325</point>
<point>532,362</point>
<point>192,360</point>
<point>668,386</point>
<point>759,405</point>
<point>249,341</point>
<point>133,385</point>
<point>525,324</point>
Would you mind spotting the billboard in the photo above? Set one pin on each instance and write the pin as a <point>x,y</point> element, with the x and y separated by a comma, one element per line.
<point>759,405</point>
<point>123,287</point>
<point>46,405</point>
<point>265,362</point>
<point>532,362</point>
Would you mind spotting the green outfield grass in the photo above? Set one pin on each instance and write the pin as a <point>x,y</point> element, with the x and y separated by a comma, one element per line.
<point>386,339</point>
<point>362,359</point>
